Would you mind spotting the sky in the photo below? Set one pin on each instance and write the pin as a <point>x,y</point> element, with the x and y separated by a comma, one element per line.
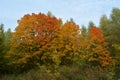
<point>82,11</point>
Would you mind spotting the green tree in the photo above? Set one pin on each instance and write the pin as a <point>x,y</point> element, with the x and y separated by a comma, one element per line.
<point>111,29</point>
<point>90,25</point>
<point>115,37</point>
<point>115,25</point>
<point>105,25</point>
<point>8,36</point>
<point>71,20</point>
<point>84,31</point>
<point>50,14</point>
<point>2,48</point>
<point>2,37</point>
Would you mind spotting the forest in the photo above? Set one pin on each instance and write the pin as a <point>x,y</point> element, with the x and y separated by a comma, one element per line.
<point>43,47</point>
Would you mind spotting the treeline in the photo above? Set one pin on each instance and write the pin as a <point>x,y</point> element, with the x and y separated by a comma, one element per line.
<point>43,40</point>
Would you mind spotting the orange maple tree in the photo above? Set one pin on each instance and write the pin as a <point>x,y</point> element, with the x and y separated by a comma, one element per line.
<point>32,37</point>
<point>98,48</point>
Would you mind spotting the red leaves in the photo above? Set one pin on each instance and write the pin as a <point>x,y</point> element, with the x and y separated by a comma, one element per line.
<point>95,33</point>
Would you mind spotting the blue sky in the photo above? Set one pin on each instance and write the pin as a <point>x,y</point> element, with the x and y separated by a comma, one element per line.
<point>82,11</point>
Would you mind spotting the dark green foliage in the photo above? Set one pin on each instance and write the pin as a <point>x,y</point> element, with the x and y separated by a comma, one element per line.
<point>90,25</point>
<point>105,25</point>
<point>115,38</point>
<point>115,25</point>
<point>76,72</point>
<point>84,31</point>
<point>2,49</point>
<point>71,20</point>
<point>8,35</point>
<point>111,29</point>
<point>2,37</point>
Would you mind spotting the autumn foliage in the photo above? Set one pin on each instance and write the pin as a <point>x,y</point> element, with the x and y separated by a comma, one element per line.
<point>98,47</point>
<point>32,38</point>
<point>41,39</point>
<point>43,47</point>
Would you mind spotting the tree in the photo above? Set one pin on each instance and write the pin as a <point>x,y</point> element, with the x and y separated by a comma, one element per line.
<point>2,37</point>
<point>31,40</point>
<point>115,25</point>
<point>95,49</point>
<point>71,20</point>
<point>90,25</point>
<point>114,37</point>
<point>67,42</point>
<point>110,28</point>
<point>105,25</point>
<point>8,35</point>
<point>49,14</point>
<point>2,49</point>
<point>84,31</point>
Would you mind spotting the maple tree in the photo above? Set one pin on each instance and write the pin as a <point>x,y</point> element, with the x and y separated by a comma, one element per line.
<point>32,37</point>
<point>98,48</point>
